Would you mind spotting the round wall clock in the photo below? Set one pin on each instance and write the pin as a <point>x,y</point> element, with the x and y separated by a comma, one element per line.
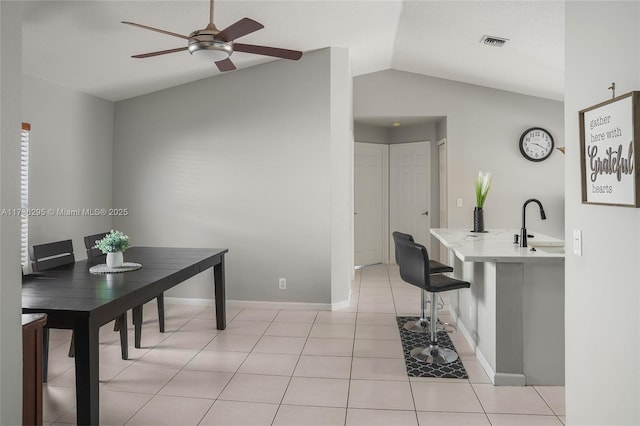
<point>536,144</point>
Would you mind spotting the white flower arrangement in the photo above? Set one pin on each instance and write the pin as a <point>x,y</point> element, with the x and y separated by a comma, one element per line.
<point>482,184</point>
<point>113,242</point>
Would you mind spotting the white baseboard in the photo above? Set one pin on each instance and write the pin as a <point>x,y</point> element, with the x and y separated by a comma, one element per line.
<point>506,379</point>
<point>481,358</point>
<point>344,304</point>
<point>188,301</point>
<point>341,305</point>
<point>301,306</point>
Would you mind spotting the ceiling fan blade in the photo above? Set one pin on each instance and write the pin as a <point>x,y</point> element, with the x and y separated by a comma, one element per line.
<point>157,30</point>
<point>241,28</point>
<point>268,51</point>
<point>225,65</point>
<point>160,52</point>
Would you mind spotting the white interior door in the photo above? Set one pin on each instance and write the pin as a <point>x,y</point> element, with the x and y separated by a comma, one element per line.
<point>410,191</point>
<point>370,203</point>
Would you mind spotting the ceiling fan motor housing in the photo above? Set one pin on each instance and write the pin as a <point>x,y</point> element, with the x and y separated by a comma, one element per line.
<point>207,46</point>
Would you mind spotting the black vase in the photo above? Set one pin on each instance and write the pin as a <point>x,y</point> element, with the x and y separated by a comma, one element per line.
<point>478,220</point>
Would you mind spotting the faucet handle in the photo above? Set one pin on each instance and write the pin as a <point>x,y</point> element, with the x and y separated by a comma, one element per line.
<point>516,239</point>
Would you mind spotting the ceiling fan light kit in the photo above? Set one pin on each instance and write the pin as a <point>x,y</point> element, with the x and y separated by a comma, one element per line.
<point>217,46</point>
<point>211,50</point>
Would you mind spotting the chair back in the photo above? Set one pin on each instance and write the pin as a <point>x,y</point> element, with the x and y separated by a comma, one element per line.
<point>51,255</point>
<point>413,261</point>
<point>397,235</point>
<point>94,254</point>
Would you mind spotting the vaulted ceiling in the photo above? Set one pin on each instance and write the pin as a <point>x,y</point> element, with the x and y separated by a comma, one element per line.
<point>82,44</point>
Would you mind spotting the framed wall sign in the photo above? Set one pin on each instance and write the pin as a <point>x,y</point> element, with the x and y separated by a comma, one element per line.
<point>609,138</point>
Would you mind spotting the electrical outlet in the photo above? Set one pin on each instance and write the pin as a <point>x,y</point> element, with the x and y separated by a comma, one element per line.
<point>282,283</point>
<point>459,202</point>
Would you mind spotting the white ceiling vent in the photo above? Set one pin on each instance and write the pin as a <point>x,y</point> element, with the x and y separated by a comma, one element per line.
<point>493,41</point>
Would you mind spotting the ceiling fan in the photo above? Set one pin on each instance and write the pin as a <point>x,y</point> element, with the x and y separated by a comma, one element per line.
<point>216,45</point>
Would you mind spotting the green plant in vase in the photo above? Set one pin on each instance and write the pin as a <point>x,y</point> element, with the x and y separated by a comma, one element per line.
<point>113,245</point>
<point>482,186</point>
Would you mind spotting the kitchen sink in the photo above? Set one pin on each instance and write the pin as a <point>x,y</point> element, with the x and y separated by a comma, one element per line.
<point>551,249</point>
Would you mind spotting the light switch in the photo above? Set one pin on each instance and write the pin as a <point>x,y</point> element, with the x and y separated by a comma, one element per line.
<point>458,202</point>
<point>577,242</point>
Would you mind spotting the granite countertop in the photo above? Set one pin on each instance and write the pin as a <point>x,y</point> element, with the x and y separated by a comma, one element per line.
<point>497,245</point>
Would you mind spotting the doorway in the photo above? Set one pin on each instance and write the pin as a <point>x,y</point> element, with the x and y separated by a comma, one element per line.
<point>410,191</point>
<point>371,223</point>
<point>392,192</point>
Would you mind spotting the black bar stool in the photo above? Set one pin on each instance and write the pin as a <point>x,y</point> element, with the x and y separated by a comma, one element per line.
<point>422,324</point>
<point>413,261</point>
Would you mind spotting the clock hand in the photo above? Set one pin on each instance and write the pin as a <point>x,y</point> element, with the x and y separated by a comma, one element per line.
<point>533,143</point>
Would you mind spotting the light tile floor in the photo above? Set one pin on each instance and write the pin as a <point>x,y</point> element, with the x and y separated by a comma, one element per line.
<point>286,367</point>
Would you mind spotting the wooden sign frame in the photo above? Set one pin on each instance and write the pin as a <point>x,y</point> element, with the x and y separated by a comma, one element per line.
<point>610,150</point>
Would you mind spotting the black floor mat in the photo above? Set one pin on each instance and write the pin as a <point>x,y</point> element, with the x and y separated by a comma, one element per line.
<point>415,368</point>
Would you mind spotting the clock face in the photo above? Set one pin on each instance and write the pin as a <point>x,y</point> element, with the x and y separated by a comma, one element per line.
<point>536,144</point>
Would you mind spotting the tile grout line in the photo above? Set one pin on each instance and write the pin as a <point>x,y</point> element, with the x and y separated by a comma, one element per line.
<point>294,368</point>
<point>240,366</point>
<point>198,353</point>
<point>395,309</point>
<point>353,348</point>
<point>172,377</point>
<point>484,411</point>
<point>104,383</point>
<point>545,401</point>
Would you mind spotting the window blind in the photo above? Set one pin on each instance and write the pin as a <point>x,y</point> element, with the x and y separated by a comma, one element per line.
<point>24,195</point>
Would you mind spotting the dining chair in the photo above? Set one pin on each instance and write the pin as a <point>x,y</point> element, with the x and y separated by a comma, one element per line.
<point>95,256</point>
<point>53,255</point>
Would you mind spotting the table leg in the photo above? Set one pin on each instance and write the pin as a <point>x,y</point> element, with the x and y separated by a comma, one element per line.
<point>160,301</point>
<point>124,338</point>
<point>87,372</point>
<point>137,326</point>
<point>218,278</point>
<point>45,354</point>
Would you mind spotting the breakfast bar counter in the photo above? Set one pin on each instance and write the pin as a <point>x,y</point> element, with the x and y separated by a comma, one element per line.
<point>513,314</point>
<point>497,246</point>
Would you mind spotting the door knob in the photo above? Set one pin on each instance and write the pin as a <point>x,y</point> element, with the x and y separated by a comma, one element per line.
<point>426,213</point>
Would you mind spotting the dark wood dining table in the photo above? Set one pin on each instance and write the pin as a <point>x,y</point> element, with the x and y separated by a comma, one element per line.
<point>73,298</point>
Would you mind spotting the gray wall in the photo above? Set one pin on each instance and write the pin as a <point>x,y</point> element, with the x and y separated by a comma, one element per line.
<point>483,129</point>
<point>246,161</point>
<point>602,45</point>
<point>70,161</point>
<point>341,170</point>
<point>10,284</point>
<point>371,134</point>
<point>441,128</point>
<point>415,133</point>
